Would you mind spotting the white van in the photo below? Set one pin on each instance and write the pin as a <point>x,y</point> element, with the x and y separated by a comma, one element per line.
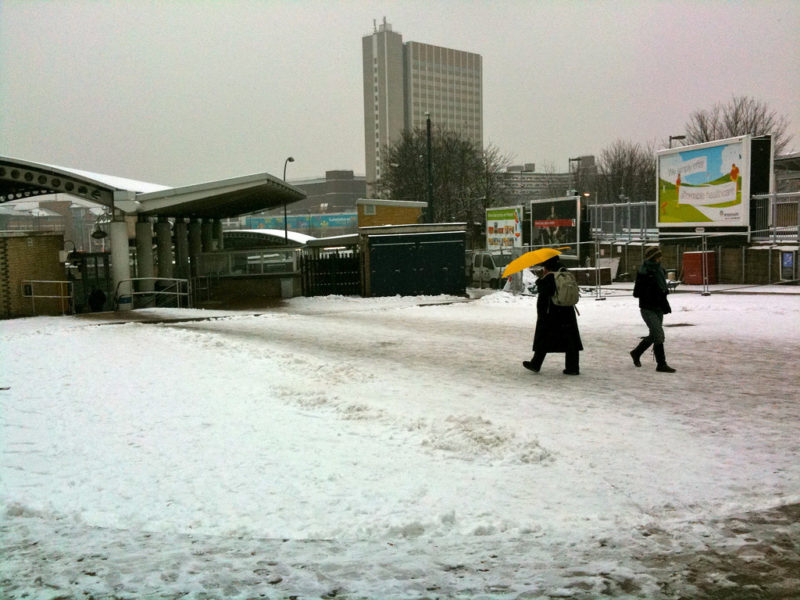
<point>487,269</point>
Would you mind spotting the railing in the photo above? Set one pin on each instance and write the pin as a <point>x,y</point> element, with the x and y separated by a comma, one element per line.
<point>623,221</point>
<point>776,217</point>
<point>248,262</point>
<point>64,293</point>
<point>161,292</point>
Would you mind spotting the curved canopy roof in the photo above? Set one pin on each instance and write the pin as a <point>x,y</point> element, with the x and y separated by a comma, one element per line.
<point>226,198</point>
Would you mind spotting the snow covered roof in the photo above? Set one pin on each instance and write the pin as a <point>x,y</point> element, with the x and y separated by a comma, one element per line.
<point>226,198</point>
<point>299,238</point>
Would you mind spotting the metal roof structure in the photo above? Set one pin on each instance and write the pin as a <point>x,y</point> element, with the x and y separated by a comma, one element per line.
<point>20,179</point>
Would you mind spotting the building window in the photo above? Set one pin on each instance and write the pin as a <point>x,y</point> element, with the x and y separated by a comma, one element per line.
<point>369,209</point>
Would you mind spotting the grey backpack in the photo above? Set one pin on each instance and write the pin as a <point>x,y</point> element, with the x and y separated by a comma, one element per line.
<point>567,292</point>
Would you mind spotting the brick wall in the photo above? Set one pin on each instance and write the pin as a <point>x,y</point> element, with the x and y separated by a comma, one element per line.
<point>30,256</point>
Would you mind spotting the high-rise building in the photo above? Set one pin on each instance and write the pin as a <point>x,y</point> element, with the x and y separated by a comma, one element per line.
<point>403,83</point>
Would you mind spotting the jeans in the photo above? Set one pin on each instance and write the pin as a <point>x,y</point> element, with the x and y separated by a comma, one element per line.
<point>654,320</point>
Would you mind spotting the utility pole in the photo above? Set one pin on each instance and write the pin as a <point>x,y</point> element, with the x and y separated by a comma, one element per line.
<point>429,168</point>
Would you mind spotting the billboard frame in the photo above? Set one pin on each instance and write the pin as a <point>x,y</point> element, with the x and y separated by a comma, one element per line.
<point>703,152</point>
<point>515,235</point>
<point>576,218</point>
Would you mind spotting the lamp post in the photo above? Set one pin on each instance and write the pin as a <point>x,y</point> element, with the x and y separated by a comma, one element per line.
<point>576,172</point>
<point>285,220</point>
<point>429,167</point>
<point>675,137</point>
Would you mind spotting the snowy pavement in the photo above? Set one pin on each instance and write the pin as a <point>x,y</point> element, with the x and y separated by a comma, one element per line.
<point>395,448</point>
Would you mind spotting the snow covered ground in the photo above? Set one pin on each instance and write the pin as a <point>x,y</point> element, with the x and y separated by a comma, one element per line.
<point>387,448</point>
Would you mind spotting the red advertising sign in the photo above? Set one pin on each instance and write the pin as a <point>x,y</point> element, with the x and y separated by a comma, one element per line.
<point>554,223</point>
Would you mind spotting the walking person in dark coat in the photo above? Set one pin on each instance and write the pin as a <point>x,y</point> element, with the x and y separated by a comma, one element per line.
<point>556,326</point>
<point>651,289</point>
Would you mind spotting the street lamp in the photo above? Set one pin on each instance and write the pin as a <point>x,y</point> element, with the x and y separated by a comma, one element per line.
<point>675,137</point>
<point>430,178</point>
<point>576,172</point>
<point>285,221</point>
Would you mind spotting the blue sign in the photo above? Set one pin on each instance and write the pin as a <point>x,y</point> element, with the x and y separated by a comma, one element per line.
<point>301,222</point>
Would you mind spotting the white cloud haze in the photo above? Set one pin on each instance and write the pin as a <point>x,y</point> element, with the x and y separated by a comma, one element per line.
<point>184,92</point>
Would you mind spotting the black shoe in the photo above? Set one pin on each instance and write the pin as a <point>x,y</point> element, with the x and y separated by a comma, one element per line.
<point>529,365</point>
<point>569,372</point>
<point>665,368</point>
<point>635,357</point>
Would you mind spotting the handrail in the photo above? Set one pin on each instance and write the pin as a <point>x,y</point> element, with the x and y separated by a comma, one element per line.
<point>166,291</point>
<point>69,296</point>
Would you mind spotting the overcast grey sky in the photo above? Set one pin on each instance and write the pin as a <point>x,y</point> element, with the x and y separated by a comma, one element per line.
<point>184,92</point>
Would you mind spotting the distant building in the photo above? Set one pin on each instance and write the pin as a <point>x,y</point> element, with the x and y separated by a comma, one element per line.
<point>403,82</point>
<point>336,192</point>
<point>521,183</point>
<point>328,209</point>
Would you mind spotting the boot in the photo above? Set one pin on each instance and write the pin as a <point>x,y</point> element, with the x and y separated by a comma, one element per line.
<point>661,360</point>
<point>571,362</point>
<point>535,363</point>
<point>637,352</point>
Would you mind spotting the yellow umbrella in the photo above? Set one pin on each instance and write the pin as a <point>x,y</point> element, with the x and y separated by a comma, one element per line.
<point>529,259</point>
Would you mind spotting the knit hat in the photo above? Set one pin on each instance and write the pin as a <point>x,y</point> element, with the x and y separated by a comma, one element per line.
<point>652,253</point>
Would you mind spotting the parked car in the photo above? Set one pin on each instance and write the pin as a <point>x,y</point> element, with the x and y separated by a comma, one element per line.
<point>486,269</point>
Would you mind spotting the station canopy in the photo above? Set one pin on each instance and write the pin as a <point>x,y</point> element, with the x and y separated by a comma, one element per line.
<point>221,199</point>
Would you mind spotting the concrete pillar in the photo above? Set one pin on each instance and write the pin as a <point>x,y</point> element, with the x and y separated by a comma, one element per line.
<point>120,265</point>
<point>217,234</point>
<point>144,253</point>
<point>181,249</point>
<point>195,243</point>
<point>206,235</point>
<point>164,243</point>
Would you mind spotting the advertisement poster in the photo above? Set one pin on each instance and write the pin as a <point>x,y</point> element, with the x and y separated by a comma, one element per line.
<point>305,222</point>
<point>504,228</point>
<point>554,222</point>
<point>702,184</point>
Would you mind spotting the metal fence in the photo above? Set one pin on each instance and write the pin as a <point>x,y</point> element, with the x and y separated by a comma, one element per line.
<point>623,221</point>
<point>774,218</point>
<point>248,262</point>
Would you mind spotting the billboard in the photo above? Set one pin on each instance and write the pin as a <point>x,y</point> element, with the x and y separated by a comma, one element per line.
<point>705,184</point>
<point>504,228</point>
<point>556,222</point>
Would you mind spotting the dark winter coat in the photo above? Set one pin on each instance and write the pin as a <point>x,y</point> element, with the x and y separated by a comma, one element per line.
<point>651,287</point>
<point>556,326</point>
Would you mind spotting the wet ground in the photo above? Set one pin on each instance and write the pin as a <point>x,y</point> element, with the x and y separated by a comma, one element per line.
<point>751,556</point>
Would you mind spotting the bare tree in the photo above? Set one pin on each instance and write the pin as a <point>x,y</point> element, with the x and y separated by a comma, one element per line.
<point>742,115</point>
<point>463,176</point>
<point>626,169</point>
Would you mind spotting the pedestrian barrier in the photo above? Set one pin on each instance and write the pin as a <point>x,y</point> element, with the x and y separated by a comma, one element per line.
<point>62,292</point>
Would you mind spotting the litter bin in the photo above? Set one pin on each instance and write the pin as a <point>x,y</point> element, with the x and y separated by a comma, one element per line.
<point>693,267</point>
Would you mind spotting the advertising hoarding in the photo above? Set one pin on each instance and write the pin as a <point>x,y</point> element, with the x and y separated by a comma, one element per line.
<point>305,222</point>
<point>556,222</point>
<point>705,184</point>
<point>504,228</point>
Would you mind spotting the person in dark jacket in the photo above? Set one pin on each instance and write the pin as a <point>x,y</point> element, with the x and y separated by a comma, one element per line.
<point>651,289</point>
<point>556,326</point>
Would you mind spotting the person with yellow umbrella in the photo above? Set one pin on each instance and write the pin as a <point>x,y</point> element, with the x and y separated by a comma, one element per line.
<point>556,326</point>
